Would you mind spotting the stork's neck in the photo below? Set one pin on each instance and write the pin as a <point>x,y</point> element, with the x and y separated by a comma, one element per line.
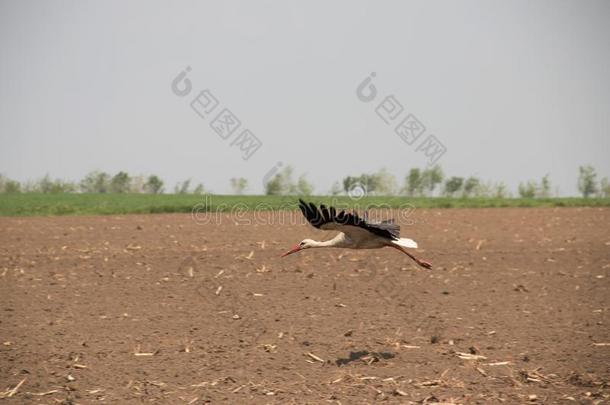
<point>337,241</point>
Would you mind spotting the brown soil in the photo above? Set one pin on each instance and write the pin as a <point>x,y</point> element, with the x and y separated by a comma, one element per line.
<point>161,309</point>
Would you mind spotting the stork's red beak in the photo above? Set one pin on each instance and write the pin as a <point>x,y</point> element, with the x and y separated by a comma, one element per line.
<point>295,249</point>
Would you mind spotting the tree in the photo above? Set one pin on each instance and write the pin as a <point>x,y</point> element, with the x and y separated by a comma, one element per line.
<point>9,186</point>
<point>154,185</point>
<point>485,189</point>
<point>29,187</point>
<point>137,184</point>
<point>239,185</point>
<point>413,182</point>
<point>430,178</point>
<point>471,186</point>
<point>12,186</point>
<point>95,182</point>
<point>380,183</point>
<point>545,187</point>
<point>500,190</point>
<point>453,185</point>
<point>349,183</point>
<point>586,181</point>
<point>45,185</point>
<point>368,182</point>
<point>604,189</point>
<point>59,186</point>
<point>384,183</point>
<point>199,189</point>
<point>527,190</point>
<point>120,183</point>
<point>335,189</point>
<point>274,186</point>
<point>281,183</point>
<point>182,188</point>
<point>303,186</point>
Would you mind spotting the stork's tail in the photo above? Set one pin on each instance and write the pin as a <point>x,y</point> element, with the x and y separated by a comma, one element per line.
<point>405,242</point>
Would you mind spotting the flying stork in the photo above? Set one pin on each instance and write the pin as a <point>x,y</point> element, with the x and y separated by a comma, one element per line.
<point>355,232</point>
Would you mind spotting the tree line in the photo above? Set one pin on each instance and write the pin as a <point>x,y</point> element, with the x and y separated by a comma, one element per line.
<point>427,182</point>
<point>97,182</point>
<point>431,181</point>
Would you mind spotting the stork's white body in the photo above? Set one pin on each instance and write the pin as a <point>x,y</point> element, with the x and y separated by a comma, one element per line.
<point>360,239</point>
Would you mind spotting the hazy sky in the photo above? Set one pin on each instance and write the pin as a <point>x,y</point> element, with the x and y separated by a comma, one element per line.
<point>512,89</point>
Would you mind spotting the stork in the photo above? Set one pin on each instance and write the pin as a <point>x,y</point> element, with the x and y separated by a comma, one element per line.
<point>354,232</point>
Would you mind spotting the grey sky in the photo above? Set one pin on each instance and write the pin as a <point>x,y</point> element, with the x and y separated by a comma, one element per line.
<point>514,90</point>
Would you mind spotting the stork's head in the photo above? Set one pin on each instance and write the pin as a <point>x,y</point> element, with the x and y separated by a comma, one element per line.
<point>305,244</point>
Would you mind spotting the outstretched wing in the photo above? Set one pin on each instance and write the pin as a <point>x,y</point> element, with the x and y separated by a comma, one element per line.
<point>329,219</point>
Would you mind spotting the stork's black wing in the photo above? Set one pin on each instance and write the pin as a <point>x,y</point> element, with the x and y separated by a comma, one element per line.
<point>329,219</point>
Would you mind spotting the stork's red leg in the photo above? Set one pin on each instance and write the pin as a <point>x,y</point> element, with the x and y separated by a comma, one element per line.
<point>422,263</point>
